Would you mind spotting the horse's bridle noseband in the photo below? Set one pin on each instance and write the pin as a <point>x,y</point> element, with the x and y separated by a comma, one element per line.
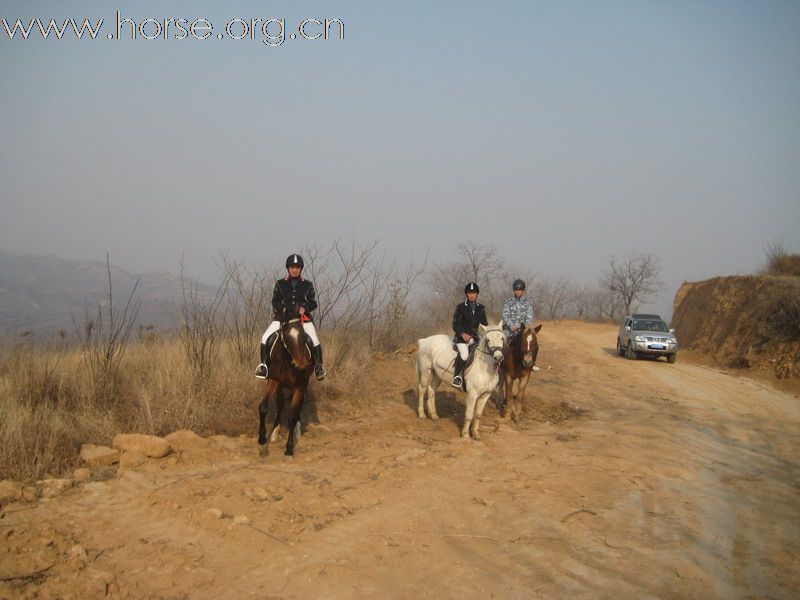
<point>492,349</point>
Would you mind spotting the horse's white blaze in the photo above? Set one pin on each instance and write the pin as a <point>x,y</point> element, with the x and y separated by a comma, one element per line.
<point>435,363</point>
<point>530,339</point>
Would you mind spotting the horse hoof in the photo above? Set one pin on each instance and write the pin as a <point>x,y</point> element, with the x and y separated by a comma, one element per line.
<point>263,450</point>
<point>421,415</point>
<point>434,417</point>
<point>287,456</point>
<point>276,434</point>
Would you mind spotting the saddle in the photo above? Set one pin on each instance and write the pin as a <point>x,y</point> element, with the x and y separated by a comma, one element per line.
<point>470,353</point>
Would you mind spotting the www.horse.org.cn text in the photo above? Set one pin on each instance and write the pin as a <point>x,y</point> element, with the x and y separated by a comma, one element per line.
<point>271,32</point>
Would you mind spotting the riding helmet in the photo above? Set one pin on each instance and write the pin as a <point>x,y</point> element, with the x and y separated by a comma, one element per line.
<point>519,284</point>
<point>294,259</point>
<point>472,287</point>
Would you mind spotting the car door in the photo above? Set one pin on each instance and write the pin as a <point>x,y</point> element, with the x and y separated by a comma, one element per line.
<point>625,333</point>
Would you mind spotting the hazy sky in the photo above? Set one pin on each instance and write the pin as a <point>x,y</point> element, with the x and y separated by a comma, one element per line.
<point>562,132</point>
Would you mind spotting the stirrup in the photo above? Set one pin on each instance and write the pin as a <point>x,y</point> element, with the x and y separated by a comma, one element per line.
<point>320,371</point>
<point>262,371</point>
<point>458,382</point>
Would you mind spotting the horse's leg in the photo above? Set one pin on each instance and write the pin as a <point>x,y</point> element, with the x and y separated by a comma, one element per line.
<point>434,383</point>
<point>508,384</point>
<point>476,420</point>
<point>523,383</point>
<point>262,415</point>
<point>294,420</point>
<point>276,425</point>
<point>423,379</point>
<point>468,413</point>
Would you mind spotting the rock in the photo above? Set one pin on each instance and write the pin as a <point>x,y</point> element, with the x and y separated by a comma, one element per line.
<point>31,493</point>
<point>81,475</point>
<point>241,520</point>
<point>183,439</point>
<point>130,460</point>
<point>259,493</point>
<point>149,445</point>
<point>79,551</point>
<point>9,491</point>
<point>216,513</point>
<point>96,456</point>
<point>54,487</point>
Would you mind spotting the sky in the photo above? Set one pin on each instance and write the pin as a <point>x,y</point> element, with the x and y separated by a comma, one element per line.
<point>564,133</point>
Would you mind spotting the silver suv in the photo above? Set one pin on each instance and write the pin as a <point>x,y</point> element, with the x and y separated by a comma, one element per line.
<point>646,335</point>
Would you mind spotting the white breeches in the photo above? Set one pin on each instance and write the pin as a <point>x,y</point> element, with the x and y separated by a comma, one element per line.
<point>308,327</point>
<point>463,350</point>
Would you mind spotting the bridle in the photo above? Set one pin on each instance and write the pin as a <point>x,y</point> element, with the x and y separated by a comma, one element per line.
<point>283,342</point>
<point>492,349</point>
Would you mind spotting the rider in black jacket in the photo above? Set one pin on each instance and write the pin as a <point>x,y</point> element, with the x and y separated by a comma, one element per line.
<point>466,318</point>
<point>292,297</point>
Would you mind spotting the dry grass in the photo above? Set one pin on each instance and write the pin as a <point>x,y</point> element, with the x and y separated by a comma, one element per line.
<point>784,264</point>
<point>49,405</point>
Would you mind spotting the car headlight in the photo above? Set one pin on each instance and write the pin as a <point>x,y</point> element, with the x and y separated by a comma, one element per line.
<point>639,338</point>
<point>673,341</point>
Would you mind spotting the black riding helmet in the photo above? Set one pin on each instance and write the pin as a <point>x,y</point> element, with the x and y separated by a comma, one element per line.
<point>519,284</point>
<point>472,287</point>
<point>295,259</point>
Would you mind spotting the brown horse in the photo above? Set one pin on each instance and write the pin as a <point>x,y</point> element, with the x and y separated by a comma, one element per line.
<point>290,368</point>
<point>518,363</point>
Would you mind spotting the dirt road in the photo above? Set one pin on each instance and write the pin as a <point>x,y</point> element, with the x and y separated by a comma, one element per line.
<point>624,479</point>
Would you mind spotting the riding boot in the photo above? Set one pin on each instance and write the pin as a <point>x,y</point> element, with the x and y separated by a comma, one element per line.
<point>319,370</point>
<point>262,370</point>
<point>458,368</point>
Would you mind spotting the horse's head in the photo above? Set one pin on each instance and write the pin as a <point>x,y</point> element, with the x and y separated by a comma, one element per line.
<point>294,340</point>
<point>494,339</point>
<point>529,345</point>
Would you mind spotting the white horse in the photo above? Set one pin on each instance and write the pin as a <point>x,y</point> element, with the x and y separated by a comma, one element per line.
<point>435,360</point>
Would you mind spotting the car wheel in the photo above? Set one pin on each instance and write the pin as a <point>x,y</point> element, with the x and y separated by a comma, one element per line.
<point>631,353</point>
<point>671,358</point>
<point>620,351</point>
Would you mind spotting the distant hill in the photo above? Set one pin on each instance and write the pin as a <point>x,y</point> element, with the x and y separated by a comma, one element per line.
<point>40,294</point>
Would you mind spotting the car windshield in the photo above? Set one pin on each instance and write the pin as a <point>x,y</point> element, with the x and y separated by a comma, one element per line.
<point>650,326</point>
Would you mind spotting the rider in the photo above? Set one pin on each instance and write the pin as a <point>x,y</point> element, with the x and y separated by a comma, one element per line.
<point>517,312</point>
<point>466,318</point>
<point>293,296</point>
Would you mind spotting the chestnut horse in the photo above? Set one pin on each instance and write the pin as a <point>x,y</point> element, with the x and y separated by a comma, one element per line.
<point>517,364</point>
<point>290,368</point>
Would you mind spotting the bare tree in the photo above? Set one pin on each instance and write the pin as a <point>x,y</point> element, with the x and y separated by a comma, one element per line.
<point>104,337</point>
<point>632,279</point>
<point>249,307</point>
<point>338,274</point>
<point>580,301</point>
<point>553,296</point>
<point>476,262</point>
<point>202,325</point>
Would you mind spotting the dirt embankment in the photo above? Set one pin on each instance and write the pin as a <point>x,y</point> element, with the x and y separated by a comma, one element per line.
<point>744,322</point>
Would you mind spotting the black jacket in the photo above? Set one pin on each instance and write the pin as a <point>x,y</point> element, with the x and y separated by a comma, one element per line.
<point>467,317</point>
<point>292,293</point>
